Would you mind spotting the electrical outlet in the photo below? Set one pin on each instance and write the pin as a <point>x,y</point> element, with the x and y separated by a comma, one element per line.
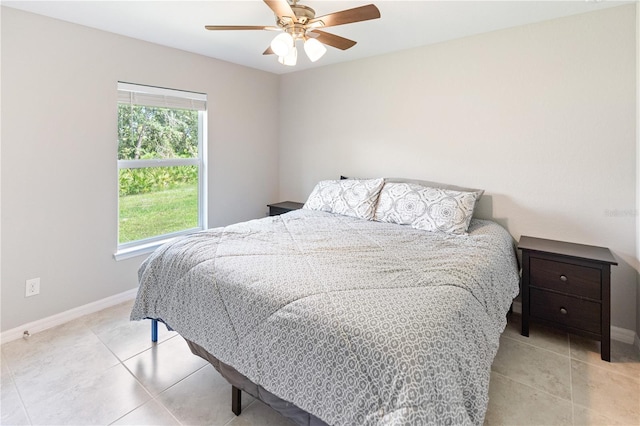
<point>32,287</point>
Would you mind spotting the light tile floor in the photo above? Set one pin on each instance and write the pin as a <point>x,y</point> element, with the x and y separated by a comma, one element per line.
<point>102,369</point>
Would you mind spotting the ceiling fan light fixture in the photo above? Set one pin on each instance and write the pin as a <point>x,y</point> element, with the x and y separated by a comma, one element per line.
<point>299,22</point>
<point>282,44</point>
<point>290,59</point>
<point>314,49</point>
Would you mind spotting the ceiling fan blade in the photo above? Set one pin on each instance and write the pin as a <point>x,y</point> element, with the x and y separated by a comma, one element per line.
<point>269,51</point>
<point>333,40</point>
<point>357,14</point>
<point>241,27</point>
<point>281,8</point>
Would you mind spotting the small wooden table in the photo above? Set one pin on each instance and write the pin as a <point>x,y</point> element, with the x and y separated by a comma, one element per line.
<point>567,286</point>
<point>283,207</point>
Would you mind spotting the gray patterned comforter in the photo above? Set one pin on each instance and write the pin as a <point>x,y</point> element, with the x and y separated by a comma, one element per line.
<point>354,321</point>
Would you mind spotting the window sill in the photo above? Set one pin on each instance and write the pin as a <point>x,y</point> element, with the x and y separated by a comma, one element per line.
<point>139,250</point>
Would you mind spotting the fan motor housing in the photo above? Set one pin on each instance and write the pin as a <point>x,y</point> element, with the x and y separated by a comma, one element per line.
<point>297,28</point>
<point>303,13</point>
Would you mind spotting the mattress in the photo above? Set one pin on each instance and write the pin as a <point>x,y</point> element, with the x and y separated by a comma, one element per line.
<point>356,322</point>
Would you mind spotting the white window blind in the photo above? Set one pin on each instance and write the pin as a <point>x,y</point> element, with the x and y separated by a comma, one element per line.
<point>136,94</point>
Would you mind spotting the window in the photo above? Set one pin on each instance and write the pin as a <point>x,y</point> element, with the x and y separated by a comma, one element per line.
<point>161,166</point>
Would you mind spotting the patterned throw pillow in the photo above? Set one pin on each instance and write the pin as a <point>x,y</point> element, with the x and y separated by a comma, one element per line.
<point>348,197</point>
<point>429,209</point>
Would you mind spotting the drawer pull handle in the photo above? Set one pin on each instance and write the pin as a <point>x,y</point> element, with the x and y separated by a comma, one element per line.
<point>563,278</point>
<point>563,311</point>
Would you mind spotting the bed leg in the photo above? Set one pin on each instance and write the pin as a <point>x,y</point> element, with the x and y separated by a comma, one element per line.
<point>236,400</point>
<point>154,330</point>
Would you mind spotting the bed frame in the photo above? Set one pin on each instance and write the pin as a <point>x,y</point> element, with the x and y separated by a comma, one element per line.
<point>241,383</point>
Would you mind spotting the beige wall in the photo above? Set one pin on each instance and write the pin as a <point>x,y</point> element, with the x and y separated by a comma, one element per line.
<point>541,116</point>
<point>59,146</point>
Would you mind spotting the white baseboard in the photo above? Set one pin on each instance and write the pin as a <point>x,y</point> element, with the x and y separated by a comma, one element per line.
<point>623,335</point>
<point>620,334</point>
<point>63,317</point>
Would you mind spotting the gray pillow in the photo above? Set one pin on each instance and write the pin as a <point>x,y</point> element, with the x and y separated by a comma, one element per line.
<point>426,208</point>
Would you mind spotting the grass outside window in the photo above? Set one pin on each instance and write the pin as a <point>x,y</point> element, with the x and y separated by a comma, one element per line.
<point>158,212</point>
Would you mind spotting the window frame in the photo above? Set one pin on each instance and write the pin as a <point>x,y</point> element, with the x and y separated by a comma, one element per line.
<point>136,94</point>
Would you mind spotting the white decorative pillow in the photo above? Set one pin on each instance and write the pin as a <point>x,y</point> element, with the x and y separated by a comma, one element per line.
<point>429,209</point>
<point>432,184</point>
<point>349,197</point>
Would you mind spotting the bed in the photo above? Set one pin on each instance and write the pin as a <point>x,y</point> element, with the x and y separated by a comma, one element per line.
<point>339,319</point>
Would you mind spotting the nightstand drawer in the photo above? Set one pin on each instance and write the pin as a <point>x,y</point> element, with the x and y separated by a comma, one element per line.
<point>566,278</point>
<point>565,310</point>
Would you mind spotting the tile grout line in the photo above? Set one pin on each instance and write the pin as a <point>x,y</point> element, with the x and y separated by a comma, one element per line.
<point>524,342</point>
<point>573,405</point>
<point>610,421</point>
<point>248,405</point>
<point>572,361</point>
<point>152,397</point>
<point>607,370</point>
<point>118,362</point>
<point>179,381</point>
<point>570,356</point>
<point>121,363</point>
<point>599,365</point>
<point>532,387</point>
<point>75,384</point>
<point>15,385</point>
<point>165,390</point>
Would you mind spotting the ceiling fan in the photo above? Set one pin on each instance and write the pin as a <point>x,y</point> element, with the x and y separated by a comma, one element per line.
<point>299,22</point>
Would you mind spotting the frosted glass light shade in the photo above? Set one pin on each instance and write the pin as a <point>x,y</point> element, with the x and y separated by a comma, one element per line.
<point>289,59</point>
<point>282,44</point>
<point>314,49</point>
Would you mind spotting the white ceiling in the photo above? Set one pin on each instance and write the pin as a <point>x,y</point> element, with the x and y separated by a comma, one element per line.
<point>403,24</point>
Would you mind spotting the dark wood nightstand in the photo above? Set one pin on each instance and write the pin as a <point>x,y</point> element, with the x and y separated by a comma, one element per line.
<point>567,286</point>
<point>283,207</point>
